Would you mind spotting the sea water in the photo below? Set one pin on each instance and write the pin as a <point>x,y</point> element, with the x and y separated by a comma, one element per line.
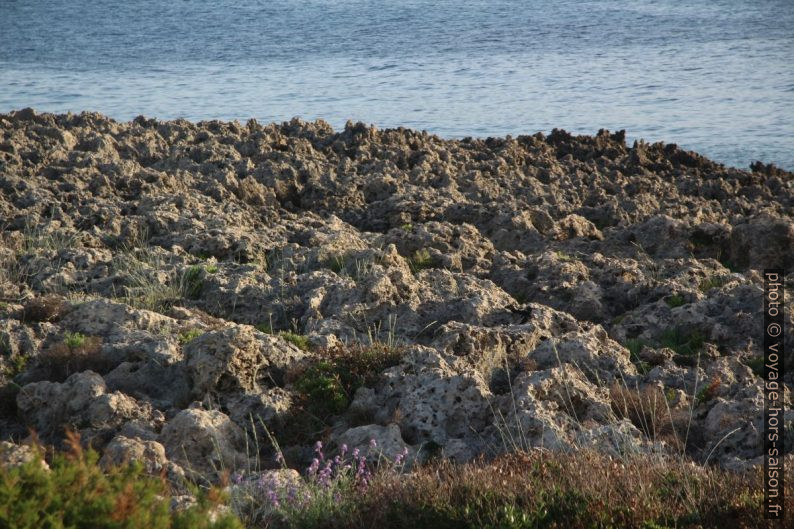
<point>716,76</point>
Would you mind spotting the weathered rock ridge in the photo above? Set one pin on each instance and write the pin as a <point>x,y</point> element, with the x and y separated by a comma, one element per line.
<point>170,290</point>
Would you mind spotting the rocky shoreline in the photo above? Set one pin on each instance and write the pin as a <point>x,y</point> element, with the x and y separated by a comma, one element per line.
<point>173,290</point>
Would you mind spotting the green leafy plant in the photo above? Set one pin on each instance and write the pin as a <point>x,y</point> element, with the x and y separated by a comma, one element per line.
<point>74,340</point>
<point>321,385</point>
<point>264,327</point>
<point>329,384</point>
<point>77,493</point>
<point>18,363</point>
<point>709,391</point>
<point>15,365</point>
<point>562,256</point>
<point>421,260</point>
<point>299,340</point>
<point>712,283</point>
<point>682,342</point>
<point>676,300</point>
<point>189,335</point>
<point>337,263</point>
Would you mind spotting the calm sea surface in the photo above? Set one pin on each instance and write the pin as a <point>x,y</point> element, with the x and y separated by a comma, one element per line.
<point>716,76</point>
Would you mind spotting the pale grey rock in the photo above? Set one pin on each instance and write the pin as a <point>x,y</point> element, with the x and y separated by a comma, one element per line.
<point>376,442</point>
<point>204,442</point>
<point>14,455</point>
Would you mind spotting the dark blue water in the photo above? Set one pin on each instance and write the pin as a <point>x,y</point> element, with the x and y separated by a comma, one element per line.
<point>716,76</point>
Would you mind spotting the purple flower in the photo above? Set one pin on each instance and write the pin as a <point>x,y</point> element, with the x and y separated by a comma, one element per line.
<point>324,477</point>
<point>312,470</point>
<point>401,456</point>
<point>273,497</point>
<point>362,475</point>
<point>237,478</point>
<point>343,450</point>
<point>318,448</point>
<point>373,443</point>
<point>264,481</point>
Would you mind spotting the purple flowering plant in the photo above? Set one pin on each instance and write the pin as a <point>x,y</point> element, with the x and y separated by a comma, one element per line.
<point>323,488</point>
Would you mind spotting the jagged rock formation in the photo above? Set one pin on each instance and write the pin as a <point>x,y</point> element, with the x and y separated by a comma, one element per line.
<point>169,288</point>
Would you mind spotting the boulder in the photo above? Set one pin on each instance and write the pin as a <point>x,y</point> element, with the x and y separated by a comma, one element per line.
<point>204,442</point>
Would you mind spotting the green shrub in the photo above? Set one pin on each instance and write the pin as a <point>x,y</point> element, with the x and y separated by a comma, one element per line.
<point>676,300</point>
<point>18,364</point>
<point>144,288</point>
<point>212,269</point>
<point>337,263</point>
<point>191,282</point>
<point>77,493</point>
<point>421,259</point>
<point>298,340</point>
<point>712,282</point>
<point>73,340</point>
<point>189,335</point>
<point>562,256</point>
<point>682,342</point>
<point>264,327</point>
<point>15,365</point>
<point>328,385</point>
<point>321,385</point>
<point>635,345</point>
<point>709,391</point>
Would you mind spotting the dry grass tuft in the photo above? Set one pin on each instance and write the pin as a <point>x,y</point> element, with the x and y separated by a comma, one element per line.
<point>73,354</point>
<point>648,409</point>
<point>47,308</point>
<point>578,490</point>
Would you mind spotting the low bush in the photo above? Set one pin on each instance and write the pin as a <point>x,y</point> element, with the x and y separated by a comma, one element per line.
<point>709,391</point>
<point>421,260</point>
<point>73,354</point>
<point>76,493</point>
<point>298,340</point>
<point>46,308</point>
<point>326,386</point>
<point>685,343</point>
<point>713,282</point>
<point>648,409</point>
<point>189,335</point>
<point>539,489</point>
<point>676,300</point>
<point>329,384</point>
